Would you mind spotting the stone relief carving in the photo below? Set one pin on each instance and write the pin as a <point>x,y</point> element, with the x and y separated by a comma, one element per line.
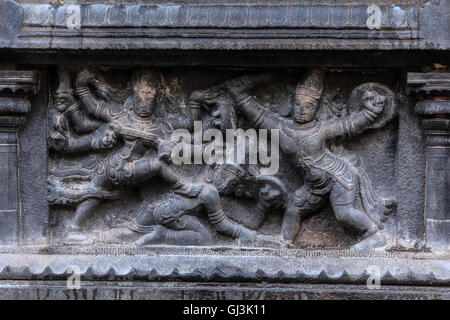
<point>107,141</point>
<point>325,173</point>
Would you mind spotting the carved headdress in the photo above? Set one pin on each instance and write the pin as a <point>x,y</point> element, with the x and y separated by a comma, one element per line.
<point>153,80</point>
<point>312,86</point>
<point>145,78</point>
<point>64,82</point>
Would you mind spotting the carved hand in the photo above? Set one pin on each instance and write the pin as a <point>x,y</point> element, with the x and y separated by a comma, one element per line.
<point>58,141</point>
<point>205,98</point>
<point>165,151</point>
<point>84,77</point>
<point>237,86</point>
<point>103,89</point>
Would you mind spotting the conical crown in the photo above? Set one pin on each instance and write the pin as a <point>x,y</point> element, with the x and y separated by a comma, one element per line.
<point>64,81</point>
<point>312,86</point>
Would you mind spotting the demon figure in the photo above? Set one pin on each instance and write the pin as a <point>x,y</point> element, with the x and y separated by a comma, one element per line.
<point>170,222</point>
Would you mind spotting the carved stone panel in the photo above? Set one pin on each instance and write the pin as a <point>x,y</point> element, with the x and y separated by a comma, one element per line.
<point>114,178</point>
<point>300,142</point>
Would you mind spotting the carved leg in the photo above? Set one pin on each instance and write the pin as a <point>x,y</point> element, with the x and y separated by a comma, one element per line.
<point>148,168</point>
<point>187,230</point>
<point>291,223</point>
<point>118,235</point>
<point>341,199</point>
<point>83,211</point>
<point>304,204</point>
<point>210,198</point>
<point>244,236</point>
<point>354,218</point>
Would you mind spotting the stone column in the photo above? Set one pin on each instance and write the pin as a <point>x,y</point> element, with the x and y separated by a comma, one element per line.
<point>434,89</point>
<point>15,87</point>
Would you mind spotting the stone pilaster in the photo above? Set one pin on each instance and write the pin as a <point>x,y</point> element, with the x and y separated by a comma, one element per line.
<point>15,87</point>
<point>434,88</point>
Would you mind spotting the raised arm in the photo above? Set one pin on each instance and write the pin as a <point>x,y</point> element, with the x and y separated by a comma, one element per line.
<point>80,121</point>
<point>101,139</point>
<point>182,122</point>
<point>246,105</point>
<point>258,116</point>
<point>373,105</point>
<point>98,109</point>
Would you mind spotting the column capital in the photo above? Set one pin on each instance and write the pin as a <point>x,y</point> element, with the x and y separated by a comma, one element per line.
<point>428,83</point>
<point>433,90</point>
<point>15,88</point>
<point>19,83</point>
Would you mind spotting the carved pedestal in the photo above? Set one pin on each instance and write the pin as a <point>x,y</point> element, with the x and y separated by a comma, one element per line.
<point>15,86</point>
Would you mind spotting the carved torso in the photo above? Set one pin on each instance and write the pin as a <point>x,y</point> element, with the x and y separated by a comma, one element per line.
<point>118,162</point>
<point>320,166</point>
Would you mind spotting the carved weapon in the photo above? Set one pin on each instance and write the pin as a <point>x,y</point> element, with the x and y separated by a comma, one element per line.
<point>138,134</point>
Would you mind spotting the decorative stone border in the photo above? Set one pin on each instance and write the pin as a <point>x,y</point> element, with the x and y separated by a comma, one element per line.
<point>225,264</point>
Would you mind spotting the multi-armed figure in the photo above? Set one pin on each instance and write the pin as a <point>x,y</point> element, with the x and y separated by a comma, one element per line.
<point>68,120</point>
<point>136,134</point>
<point>305,139</point>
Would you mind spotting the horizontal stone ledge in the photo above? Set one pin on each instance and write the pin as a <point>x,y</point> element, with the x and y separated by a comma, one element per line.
<point>44,43</point>
<point>298,25</point>
<point>272,268</point>
<point>144,290</point>
<point>251,15</point>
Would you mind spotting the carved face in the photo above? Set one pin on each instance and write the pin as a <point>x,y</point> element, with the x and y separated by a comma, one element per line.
<point>109,139</point>
<point>144,100</point>
<point>373,99</point>
<point>269,196</point>
<point>305,108</point>
<point>63,100</point>
<point>226,181</point>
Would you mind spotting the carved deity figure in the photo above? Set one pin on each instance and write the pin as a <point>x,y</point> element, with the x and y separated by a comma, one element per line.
<point>136,133</point>
<point>169,221</point>
<point>68,120</point>
<point>304,138</point>
<point>72,131</point>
